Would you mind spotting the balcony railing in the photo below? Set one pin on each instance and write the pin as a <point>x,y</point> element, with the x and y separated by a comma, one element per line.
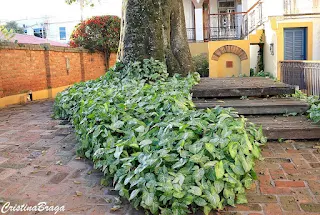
<point>225,26</point>
<point>305,74</point>
<point>253,18</point>
<point>292,7</point>
<point>191,34</point>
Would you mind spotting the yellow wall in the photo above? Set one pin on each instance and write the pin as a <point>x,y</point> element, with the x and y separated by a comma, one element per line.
<point>257,37</point>
<point>279,27</point>
<point>229,72</point>
<point>198,48</point>
<point>36,95</point>
<point>218,68</point>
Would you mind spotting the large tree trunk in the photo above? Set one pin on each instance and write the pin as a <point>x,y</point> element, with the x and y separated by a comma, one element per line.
<point>155,28</point>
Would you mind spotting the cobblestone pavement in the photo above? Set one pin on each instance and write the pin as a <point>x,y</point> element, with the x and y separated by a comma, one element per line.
<point>38,163</point>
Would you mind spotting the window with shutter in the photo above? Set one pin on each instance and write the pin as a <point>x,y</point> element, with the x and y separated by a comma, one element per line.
<point>295,44</point>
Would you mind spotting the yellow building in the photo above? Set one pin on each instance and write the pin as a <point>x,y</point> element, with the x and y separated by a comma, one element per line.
<point>280,37</point>
<point>215,27</point>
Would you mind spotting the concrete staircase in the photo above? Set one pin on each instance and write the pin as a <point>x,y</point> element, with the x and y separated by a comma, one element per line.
<point>259,100</point>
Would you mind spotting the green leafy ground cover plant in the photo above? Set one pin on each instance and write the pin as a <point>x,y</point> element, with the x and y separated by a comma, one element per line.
<point>201,63</point>
<point>314,102</point>
<point>140,128</point>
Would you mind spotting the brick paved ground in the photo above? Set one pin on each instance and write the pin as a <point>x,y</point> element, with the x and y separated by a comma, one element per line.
<point>38,163</point>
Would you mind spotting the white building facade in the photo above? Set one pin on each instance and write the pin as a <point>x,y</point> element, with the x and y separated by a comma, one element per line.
<point>51,28</point>
<point>60,27</point>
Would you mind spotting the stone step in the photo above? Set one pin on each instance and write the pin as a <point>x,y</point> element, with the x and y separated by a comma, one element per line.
<point>256,106</point>
<point>238,87</point>
<point>288,128</point>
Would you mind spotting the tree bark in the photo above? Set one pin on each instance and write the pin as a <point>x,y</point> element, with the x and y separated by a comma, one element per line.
<point>107,59</point>
<point>155,28</point>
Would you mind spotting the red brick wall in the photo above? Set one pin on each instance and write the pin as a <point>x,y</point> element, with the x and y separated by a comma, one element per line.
<point>38,67</point>
<point>22,70</point>
<point>93,63</point>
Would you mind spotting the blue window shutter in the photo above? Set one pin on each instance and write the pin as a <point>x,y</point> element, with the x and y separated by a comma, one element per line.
<point>299,45</point>
<point>288,45</point>
<point>294,44</point>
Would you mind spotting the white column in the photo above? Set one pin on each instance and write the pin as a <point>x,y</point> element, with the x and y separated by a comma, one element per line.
<point>198,12</point>
<point>199,23</point>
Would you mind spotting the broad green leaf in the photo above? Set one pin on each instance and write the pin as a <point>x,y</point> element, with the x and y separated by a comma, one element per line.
<point>134,193</point>
<point>135,182</point>
<point>196,148</point>
<point>198,174</point>
<point>230,178</point>
<point>200,201</point>
<point>165,211</point>
<point>188,199</point>
<point>248,142</point>
<point>136,203</point>
<point>179,179</point>
<point>219,185</point>
<point>178,195</point>
<point>196,158</point>
<point>237,169</point>
<point>148,199</point>
<point>195,190</point>
<point>213,198</point>
<point>140,129</point>
<point>134,145</point>
<point>210,164</point>
<point>149,176</point>
<point>207,210</point>
<point>179,164</point>
<point>241,199</point>
<point>209,147</point>
<point>118,152</point>
<point>117,124</point>
<point>151,184</point>
<point>230,202</point>
<point>253,175</point>
<point>128,179</point>
<point>97,132</point>
<point>259,133</point>
<point>244,163</point>
<point>154,207</point>
<point>233,150</point>
<point>247,181</point>
<point>145,143</point>
<point>162,178</point>
<point>106,106</point>
<point>228,193</point>
<point>239,188</point>
<point>256,152</point>
<point>219,170</point>
<point>170,157</point>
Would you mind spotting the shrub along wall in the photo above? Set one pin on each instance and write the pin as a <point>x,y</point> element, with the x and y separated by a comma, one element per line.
<point>25,67</point>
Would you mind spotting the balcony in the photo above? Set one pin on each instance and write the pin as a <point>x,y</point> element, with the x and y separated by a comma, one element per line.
<point>305,74</point>
<point>225,26</point>
<point>191,34</point>
<point>253,18</point>
<point>238,25</point>
<point>231,25</point>
<point>300,7</point>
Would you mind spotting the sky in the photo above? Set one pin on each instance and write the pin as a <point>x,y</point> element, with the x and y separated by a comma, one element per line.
<point>23,9</point>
